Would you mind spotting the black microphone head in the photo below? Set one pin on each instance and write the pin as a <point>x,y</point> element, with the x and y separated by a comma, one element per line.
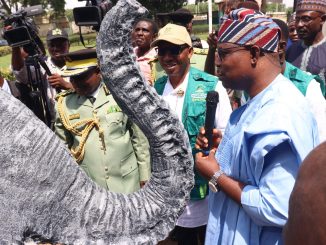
<point>212,97</point>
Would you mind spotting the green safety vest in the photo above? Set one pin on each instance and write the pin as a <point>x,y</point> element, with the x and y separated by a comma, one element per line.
<point>193,115</point>
<point>301,79</point>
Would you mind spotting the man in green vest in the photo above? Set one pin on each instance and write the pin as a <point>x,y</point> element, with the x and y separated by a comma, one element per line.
<point>185,88</point>
<point>311,86</point>
<point>105,143</point>
<point>184,17</point>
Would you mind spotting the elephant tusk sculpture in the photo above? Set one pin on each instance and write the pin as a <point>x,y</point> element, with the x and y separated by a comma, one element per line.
<point>46,197</point>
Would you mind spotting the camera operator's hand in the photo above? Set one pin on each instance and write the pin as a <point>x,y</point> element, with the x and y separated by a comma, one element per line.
<point>57,81</point>
<point>212,41</point>
<point>210,58</point>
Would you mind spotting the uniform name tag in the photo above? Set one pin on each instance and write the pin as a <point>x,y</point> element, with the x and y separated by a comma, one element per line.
<point>199,94</point>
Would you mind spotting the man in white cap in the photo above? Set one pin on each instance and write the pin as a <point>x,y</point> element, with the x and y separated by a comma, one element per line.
<point>309,53</point>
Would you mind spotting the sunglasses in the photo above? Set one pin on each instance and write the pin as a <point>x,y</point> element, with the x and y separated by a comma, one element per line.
<point>173,50</point>
<point>223,52</point>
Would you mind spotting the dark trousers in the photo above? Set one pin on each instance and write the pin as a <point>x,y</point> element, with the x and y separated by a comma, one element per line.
<point>190,236</point>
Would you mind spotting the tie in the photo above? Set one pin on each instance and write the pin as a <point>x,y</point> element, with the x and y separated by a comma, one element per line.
<point>91,99</point>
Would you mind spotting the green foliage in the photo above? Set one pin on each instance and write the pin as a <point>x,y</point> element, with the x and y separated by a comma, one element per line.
<point>69,14</point>
<point>7,74</point>
<point>5,50</point>
<point>89,39</point>
<point>5,61</point>
<point>58,7</point>
<point>201,7</point>
<point>34,2</point>
<point>275,7</point>
<point>202,28</point>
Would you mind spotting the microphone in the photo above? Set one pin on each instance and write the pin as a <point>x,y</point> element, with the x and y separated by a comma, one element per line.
<point>212,99</point>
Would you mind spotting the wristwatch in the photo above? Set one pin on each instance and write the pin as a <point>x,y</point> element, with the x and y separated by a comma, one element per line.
<point>213,186</point>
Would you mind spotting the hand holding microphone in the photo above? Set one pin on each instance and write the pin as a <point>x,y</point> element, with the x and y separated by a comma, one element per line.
<point>211,103</point>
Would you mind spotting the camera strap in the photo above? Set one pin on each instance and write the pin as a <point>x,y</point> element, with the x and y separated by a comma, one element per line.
<point>82,39</point>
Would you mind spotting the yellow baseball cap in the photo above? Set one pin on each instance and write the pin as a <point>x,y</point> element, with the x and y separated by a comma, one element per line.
<point>174,34</point>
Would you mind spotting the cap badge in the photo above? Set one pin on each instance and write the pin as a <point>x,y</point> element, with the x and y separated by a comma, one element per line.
<point>57,32</point>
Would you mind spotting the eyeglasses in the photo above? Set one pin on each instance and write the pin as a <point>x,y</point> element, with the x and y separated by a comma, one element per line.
<point>223,52</point>
<point>174,50</point>
<point>305,18</point>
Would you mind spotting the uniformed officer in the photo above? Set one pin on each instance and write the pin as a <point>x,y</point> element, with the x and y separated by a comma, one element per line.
<point>105,143</point>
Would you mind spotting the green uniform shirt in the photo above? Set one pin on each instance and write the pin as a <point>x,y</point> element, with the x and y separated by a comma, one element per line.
<point>120,159</point>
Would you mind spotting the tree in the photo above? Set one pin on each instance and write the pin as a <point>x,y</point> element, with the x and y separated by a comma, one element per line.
<point>8,5</point>
<point>12,5</point>
<point>58,7</point>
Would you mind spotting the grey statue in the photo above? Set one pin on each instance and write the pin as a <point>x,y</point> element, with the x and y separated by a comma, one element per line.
<point>45,197</point>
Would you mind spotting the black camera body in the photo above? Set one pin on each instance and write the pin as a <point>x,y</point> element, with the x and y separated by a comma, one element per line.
<point>23,29</point>
<point>92,14</point>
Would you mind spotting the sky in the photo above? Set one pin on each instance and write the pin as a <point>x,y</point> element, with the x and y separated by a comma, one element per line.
<point>288,3</point>
<point>70,4</point>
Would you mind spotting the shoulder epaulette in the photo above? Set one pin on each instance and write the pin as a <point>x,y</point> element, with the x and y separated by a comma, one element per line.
<point>64,93</point>
<point>106,89</point>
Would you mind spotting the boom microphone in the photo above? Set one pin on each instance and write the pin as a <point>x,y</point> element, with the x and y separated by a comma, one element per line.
<point>211,103</point>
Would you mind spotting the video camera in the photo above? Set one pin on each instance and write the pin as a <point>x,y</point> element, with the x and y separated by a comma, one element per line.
<point>92,14</point>
<point>23,32</point>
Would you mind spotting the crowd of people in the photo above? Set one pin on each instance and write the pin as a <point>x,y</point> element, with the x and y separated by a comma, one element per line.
<point>270,77</point>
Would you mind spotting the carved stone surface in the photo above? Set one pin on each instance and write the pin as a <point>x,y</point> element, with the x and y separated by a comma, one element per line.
<point>44,195</point>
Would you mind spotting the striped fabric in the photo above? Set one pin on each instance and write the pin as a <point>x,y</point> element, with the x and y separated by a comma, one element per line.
<point>249,27</point>
<point>311,5</point>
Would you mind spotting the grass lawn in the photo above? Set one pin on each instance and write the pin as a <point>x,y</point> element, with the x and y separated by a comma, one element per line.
<point>5,61</point>
<point>202,36</point>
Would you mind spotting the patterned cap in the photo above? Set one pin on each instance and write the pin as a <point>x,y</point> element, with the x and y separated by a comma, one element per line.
<point>311,5</point>
<point>249,27</point>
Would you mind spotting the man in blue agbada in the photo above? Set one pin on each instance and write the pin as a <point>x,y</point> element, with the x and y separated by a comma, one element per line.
<point>255,167</point>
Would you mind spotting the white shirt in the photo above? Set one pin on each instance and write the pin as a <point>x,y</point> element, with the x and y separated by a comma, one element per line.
<point>196,212</point>
<point>5,87</point>
<point>21,76</point>
<point>317,104</point>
